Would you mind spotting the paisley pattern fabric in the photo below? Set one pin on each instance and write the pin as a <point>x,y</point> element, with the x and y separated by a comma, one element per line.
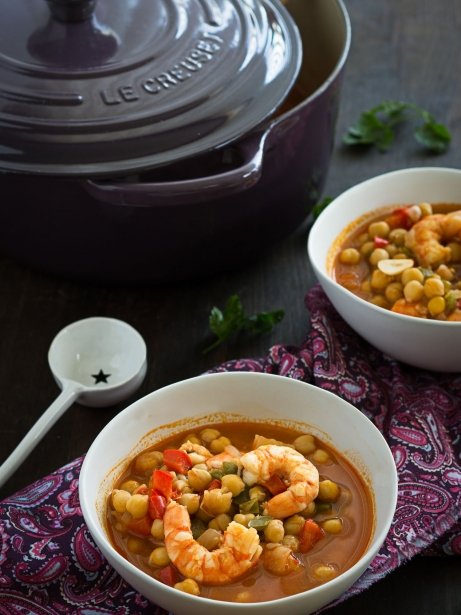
<point>49,564</point>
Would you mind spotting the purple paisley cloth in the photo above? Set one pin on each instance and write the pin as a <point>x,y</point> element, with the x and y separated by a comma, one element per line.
<point>49,564</point>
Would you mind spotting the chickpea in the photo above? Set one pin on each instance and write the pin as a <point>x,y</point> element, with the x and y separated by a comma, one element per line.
<point>445,273</point>
<point>274,531</point>
<point>434,287</point>
<point>379,229</point>
<point>136,545</point>
<point>196,458</point>
<point>215,502</point>
<point>380,280</point>
<point>392,249</point>
<point>243,519</point>
<point>208,435</point>
<point>291,542</point>
<point>436,306</point>
<point>367,248</point>
<point>397,236</point>
<point>244,596</point>
<point>377,255</point>
<point>349,256</point>
<point>324,572</point>
<point>182,486</point>
<point>130,485</point>
<point>210,539</point>
<point>119,499</point>
<point>412,273</point>
<point>220,522</point>
<point>159,557</point>
<point>413,291</point>
<point>137,505</point>
<point>157,530</point>
<point>279,559</point>
<point>305,444</point>
<point>293,524</point>
<point>189,586</point>
<point>320,456</point>
<point>366,286</point>
<point>309,511</point>
<point>363,237</point>
<point>191,501</point>
<point>332,526</point>
<point>219,444</point>
<point>394,291</point>
<point>380,301</point>
<point>328,491</point>
<point>193,438</point>
<point>257,493</point>
<point>198,479</point>
<point>426,209</point>
<point>233,483</point>
<point>146,462</point>
<point>201,466</point>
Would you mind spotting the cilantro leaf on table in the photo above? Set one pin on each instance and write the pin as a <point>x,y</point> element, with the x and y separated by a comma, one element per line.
<point>232,320</point>
<point>376,127</point>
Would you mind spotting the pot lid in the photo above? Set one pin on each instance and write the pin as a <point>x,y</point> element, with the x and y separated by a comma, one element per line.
<point>97,87</point>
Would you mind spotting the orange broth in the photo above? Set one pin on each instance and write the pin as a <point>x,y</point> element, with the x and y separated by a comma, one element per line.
<point>354,507</point>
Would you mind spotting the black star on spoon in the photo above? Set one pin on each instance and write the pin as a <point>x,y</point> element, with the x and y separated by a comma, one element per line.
<point>100,377</point>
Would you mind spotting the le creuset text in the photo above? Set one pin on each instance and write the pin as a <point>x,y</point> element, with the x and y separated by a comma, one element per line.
<point>204,51</point>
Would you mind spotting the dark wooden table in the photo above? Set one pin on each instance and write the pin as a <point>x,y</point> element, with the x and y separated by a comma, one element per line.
<point>408,50</point>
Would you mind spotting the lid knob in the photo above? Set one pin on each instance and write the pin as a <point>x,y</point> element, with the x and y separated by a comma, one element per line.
<point>71,10</point>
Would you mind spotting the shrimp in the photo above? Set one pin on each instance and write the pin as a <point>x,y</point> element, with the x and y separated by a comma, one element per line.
<point>302,477</point>
<point>426,236</point>
<point>239,552</point>
<point>230,453</point>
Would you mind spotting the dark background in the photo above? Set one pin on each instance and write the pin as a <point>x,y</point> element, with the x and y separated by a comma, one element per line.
<point>408,50</point>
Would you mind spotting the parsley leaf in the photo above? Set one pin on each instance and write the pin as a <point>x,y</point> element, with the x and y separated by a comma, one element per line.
<point>376,127</point>
<point>232,320</point>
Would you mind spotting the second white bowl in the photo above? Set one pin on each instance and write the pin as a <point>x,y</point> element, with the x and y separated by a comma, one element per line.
<point>424,343</point>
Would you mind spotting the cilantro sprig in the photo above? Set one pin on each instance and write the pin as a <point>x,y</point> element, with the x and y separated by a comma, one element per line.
<point>232,320</point>
<point>377,127</point>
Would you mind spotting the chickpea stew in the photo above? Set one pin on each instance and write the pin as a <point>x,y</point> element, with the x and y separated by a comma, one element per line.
<point>242,515</point>
<point>407,260</point>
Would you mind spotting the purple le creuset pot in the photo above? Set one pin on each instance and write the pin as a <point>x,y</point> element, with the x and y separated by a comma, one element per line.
<point>158,140</point>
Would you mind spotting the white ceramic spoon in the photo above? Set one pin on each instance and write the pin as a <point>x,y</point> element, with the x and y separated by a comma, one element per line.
<point>96,361</point>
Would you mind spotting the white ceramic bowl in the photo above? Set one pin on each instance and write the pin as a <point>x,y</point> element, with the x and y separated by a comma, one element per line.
<point>424,343</point>
<point>238,396</point>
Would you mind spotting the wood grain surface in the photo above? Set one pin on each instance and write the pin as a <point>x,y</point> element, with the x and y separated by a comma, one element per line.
<point>408,50</point>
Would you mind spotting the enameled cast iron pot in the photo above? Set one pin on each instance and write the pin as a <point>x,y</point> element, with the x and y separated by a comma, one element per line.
<point>132,194</point>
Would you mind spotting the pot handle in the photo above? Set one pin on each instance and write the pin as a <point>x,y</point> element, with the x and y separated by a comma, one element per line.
<point>146,194</point>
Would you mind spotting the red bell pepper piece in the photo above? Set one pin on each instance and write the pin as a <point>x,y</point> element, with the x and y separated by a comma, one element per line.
<point>399,218</point>
<point>311,533</point>
<point>215,484</point>
<point>140,527</point>
<point>177,460</point>
<point>380,242</point>
<point>275,485</point>
<point>162,482</point>
<point>169,575</point>
<point>157,505</point>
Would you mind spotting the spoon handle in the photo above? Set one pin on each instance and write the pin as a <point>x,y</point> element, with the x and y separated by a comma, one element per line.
<point>67,396</point>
